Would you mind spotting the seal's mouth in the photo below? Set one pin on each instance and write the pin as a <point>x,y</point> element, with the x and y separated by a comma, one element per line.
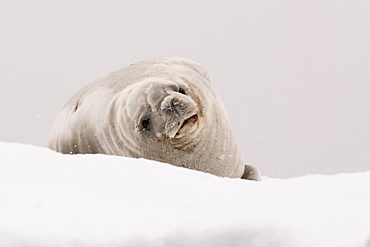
<point>186,126</point>
<point>191,120</point>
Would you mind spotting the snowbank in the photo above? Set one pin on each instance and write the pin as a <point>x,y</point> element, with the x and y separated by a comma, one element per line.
<point>50,199</point>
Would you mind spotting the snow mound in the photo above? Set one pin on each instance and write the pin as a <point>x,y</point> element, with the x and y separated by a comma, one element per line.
<point>50,199</point>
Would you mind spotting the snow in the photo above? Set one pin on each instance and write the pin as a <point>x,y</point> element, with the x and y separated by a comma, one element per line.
<point>50,199</point>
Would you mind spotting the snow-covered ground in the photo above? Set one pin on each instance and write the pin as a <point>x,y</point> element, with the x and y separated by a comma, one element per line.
<point>50,199</point>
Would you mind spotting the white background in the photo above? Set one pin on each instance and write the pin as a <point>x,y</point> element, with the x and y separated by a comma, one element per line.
<point>294,75</point>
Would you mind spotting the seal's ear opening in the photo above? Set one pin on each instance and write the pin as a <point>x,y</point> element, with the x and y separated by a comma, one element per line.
<point>251,173</point>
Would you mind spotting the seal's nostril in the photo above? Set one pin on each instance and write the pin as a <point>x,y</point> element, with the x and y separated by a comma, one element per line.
<point>174,106</point>
<point>182,91</point>
<point>175,103</point>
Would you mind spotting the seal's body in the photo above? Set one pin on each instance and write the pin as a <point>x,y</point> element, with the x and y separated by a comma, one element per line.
<point>163,109</point>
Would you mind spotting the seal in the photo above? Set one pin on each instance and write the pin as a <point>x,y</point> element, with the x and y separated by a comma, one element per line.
<point>163,109</point>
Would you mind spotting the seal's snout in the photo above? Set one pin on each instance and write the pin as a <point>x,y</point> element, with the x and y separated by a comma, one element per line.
<point>174,106</point>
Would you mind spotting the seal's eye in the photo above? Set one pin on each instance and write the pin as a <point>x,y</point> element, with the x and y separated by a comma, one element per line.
<point>182,91</point>
<point>146,124</point>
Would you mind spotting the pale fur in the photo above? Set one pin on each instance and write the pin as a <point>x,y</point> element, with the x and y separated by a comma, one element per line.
<point>107,116</point>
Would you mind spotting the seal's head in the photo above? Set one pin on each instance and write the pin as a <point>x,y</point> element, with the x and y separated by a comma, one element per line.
<point>164,111</point>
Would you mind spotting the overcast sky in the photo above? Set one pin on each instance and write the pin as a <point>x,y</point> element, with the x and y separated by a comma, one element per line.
<point>293,75</point>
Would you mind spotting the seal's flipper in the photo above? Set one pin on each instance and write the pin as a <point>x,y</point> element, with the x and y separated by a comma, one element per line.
<point>251,173</point>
